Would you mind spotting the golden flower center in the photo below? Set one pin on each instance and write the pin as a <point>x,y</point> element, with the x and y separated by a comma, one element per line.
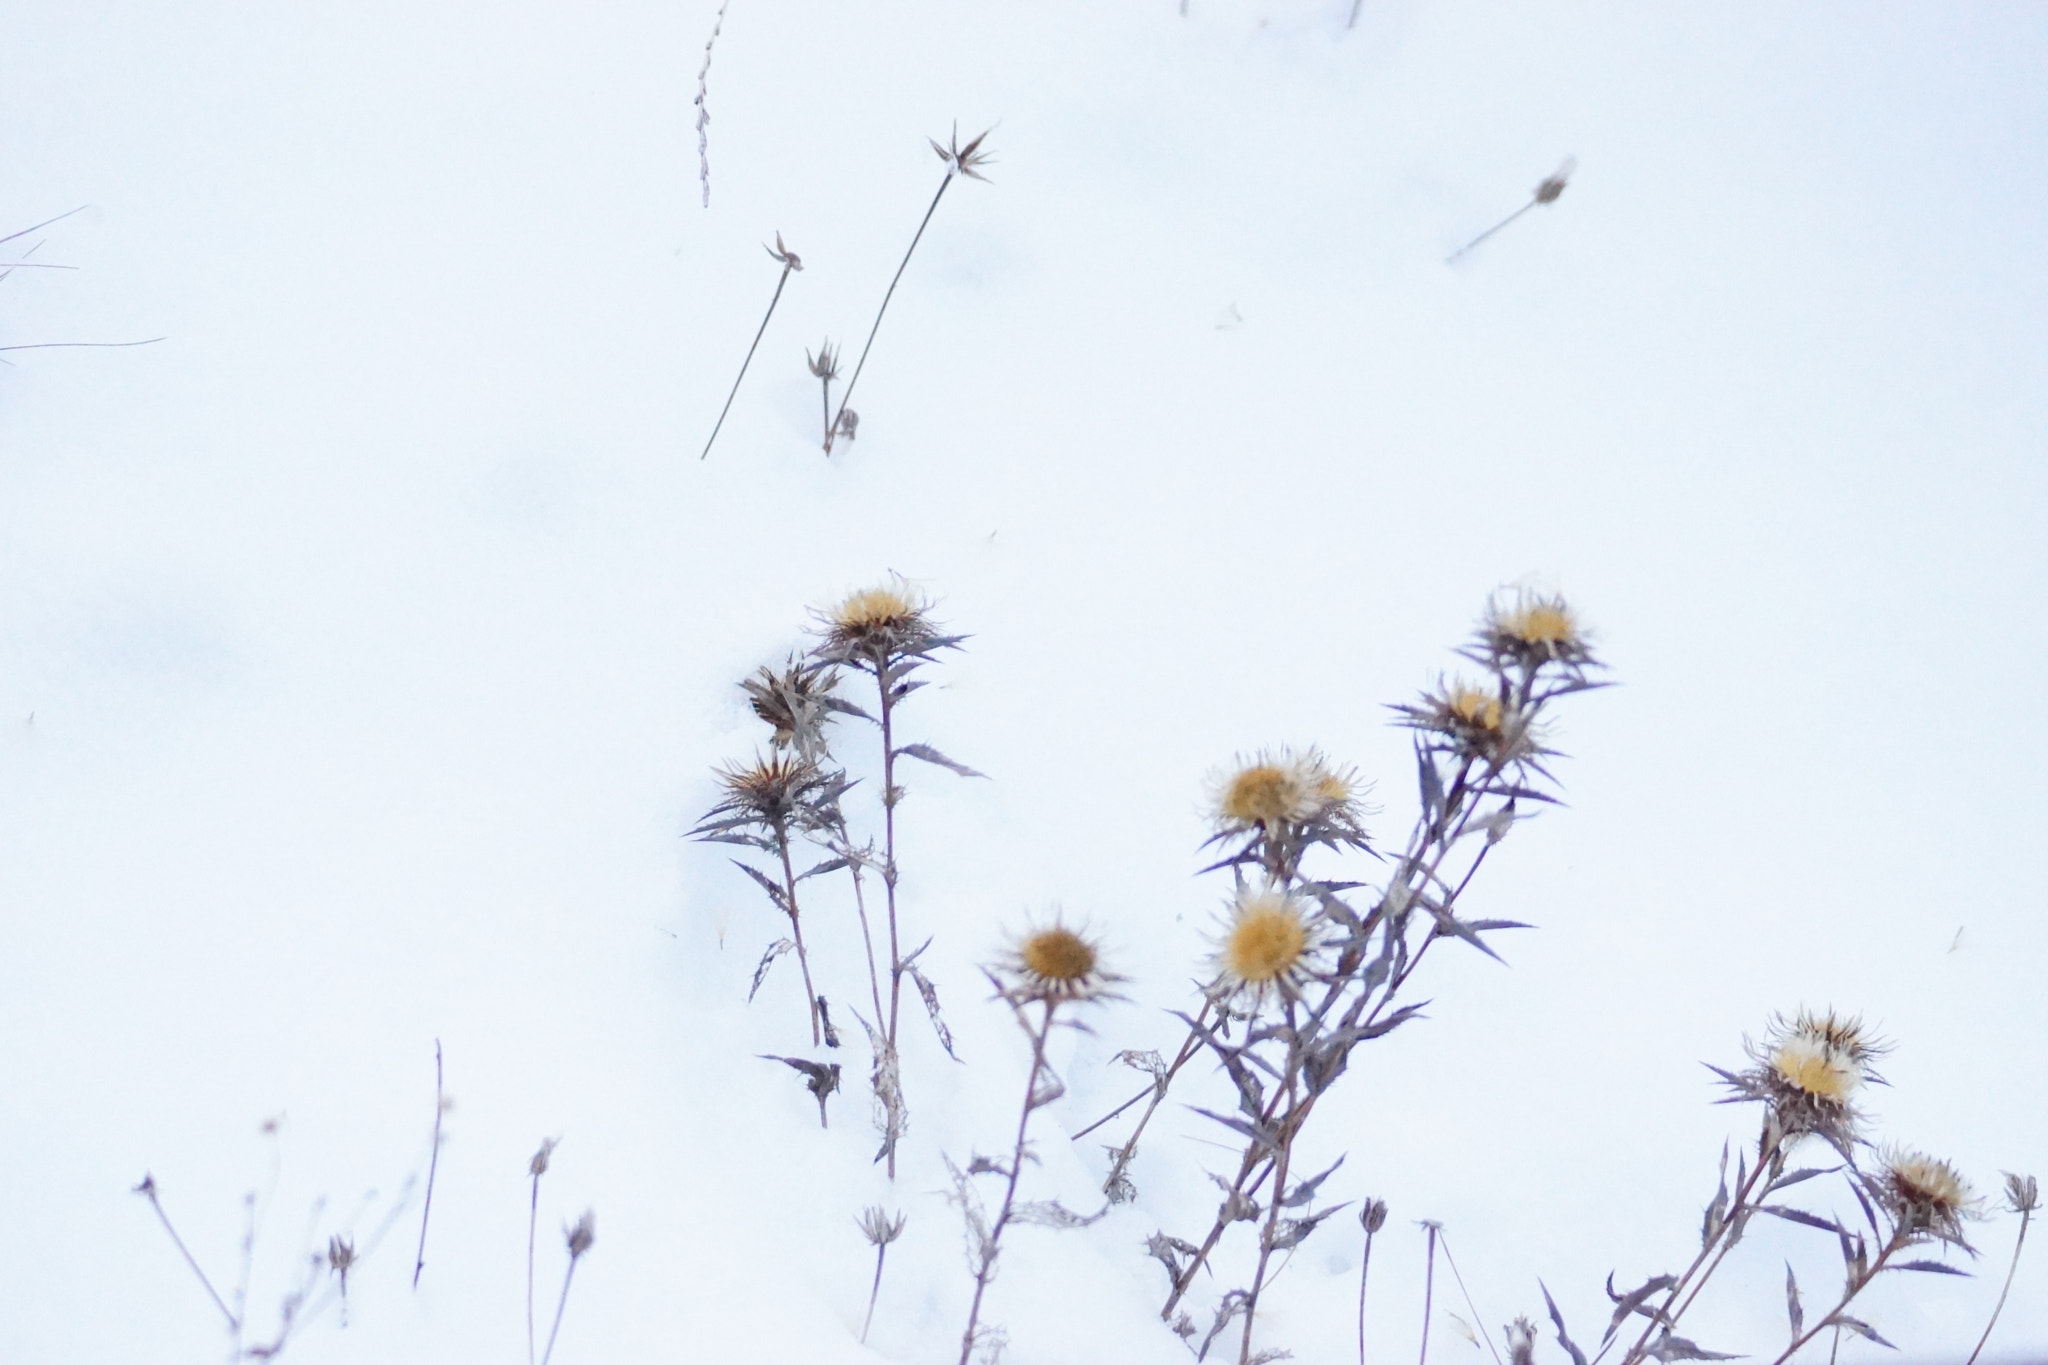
<point>1261,794</point>
<point>1058,955</point>
<point>1266,941</point>
<point>1475,708</point>
<point>1928,1182</point>
<point>1542,623</point>
<point>1811,1066</point>
<point>874,607</point>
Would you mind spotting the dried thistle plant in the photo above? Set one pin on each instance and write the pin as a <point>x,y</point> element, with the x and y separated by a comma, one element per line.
<point>881,1229</point>
<point>1302,976</point>
<point>791,263</point>
<point>960,161</point>
<point>536,1168</point>
<point>1049,968</point>
<point>2023,1197</point>
<point>1545,193</point>
<point>769,804</point>
<point>824,367</point>
<point>887,633</point>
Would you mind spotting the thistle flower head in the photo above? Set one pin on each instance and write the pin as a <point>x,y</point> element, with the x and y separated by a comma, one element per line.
<point>825,364</point>
<point>1476,721</point>
<point>1923,1195</point>
<point>1055,963</point>
<point>876,626</point>
<point>2022,1193</point>
<point>581,1235</point>
<point>790,260</point>
<point>1808,1069</point>
<point>1532,630</point>
<point>1267,942</point>
<point>1282,787</point>
<point>879,1227</point>
<point>779,793</point>
<point>791,700</point>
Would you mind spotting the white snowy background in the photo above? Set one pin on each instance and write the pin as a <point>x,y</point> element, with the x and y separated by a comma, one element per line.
<point>366,645</point>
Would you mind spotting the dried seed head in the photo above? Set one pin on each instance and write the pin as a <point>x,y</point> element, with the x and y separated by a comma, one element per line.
<point>1924,1195</point>
<point>1280,786</point>
<point>1266,942</point>
<point>885,622</point>
<point>778,792</point>
<point>538,1167</point>
<point>1534,630</point>
<point>1808,1070</point>
<point>964,160</point>
<point>1475,719</point>
<point>791,700</point>
<point>1056,963</point>
<point>341,1254</point>
<point>2022,1193</point>
<point>1373,1215</point>
<point>1521,1339</point>
<point>825,364</point>
<point>582,1234</point>
<point>878,1227</point>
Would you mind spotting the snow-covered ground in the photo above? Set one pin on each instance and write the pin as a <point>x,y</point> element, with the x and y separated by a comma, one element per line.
<point>366,645</point>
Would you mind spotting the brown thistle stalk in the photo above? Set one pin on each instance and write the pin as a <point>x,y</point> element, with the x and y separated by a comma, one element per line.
<point>791,262</point>
<point>887,633</point>
<point>1545,193</point>
<point>959,161</point>
<point>2022,1196</point>
<point>1049,968</point>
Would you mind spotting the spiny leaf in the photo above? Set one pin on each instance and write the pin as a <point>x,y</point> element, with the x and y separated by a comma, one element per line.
<point>930,755</point>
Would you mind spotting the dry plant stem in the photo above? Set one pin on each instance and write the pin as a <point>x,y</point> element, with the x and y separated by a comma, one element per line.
<point>832,428</point>
<point>1428,1294</point>
<point>433,1164</point>
<point>787,266</point>
<point>1849,1293</point>
<point>562,1304</point>
<point>1490,231</point>
<point>1710,1256</point>
<point>1457,1275</point>
<point>2019,1243</point>
<point>1267,1236</point>
<point>148,1190</point>
<point>1356,5</point>
<point>889,798</point>
<point>532,1228</point>
<point>796,928</point>
<point>1364,1269</point>
<point>874,1292</point>
<point>986,1271</point>
<point>860,908</point>
<point>1188,1048</point>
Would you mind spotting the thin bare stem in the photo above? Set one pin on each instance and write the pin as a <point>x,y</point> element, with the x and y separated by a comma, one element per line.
<point>147,1189</point>
<point>796,929</point>
<point>79,345</point>
<point>1352,22</point>
<point>789,263</point>
<point>1365,1269</point>
<point>1428,1292</point>
<point>874,1292</point>
<point>580,1238</point>
<point>1489,232</point>
<point>1477,1319</point>
<point>433,1164</point>
<point>847,397</point>
<point>890,794</point>
<point>537,1168</point>
<point>2026,1217</point>
<point>985,1270</point>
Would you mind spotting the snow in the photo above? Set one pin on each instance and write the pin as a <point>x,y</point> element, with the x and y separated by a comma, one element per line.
<point>366,645</point>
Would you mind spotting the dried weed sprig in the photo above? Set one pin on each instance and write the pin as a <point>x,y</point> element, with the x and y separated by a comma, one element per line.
<point>824,367</point>
<point>887,633</point>
<point>580,1236</point>
<point>441,1107</point>
<point>9,267</point>
<point>147,1189</point>
<point>1048,968</point>
<point>791,263</point>
<point>1372,1217</point>
<point>880,1228</point>
<point>768,804</point>
<point>1545,193</point>
<point>703,110</point>
<point>1312,976</point>
<point>2023,1197</point>
<point>959,161</point>
<point>535,1168</point>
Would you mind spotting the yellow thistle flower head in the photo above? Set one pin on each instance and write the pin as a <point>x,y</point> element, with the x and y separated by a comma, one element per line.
<point>1809,1069</point>
<point>1056,963</point>
<point>1281,786</point>
<point>1925,1195</point>
<point>1267,941</point>
<point>879,623</point>
<point>1534,629</point>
